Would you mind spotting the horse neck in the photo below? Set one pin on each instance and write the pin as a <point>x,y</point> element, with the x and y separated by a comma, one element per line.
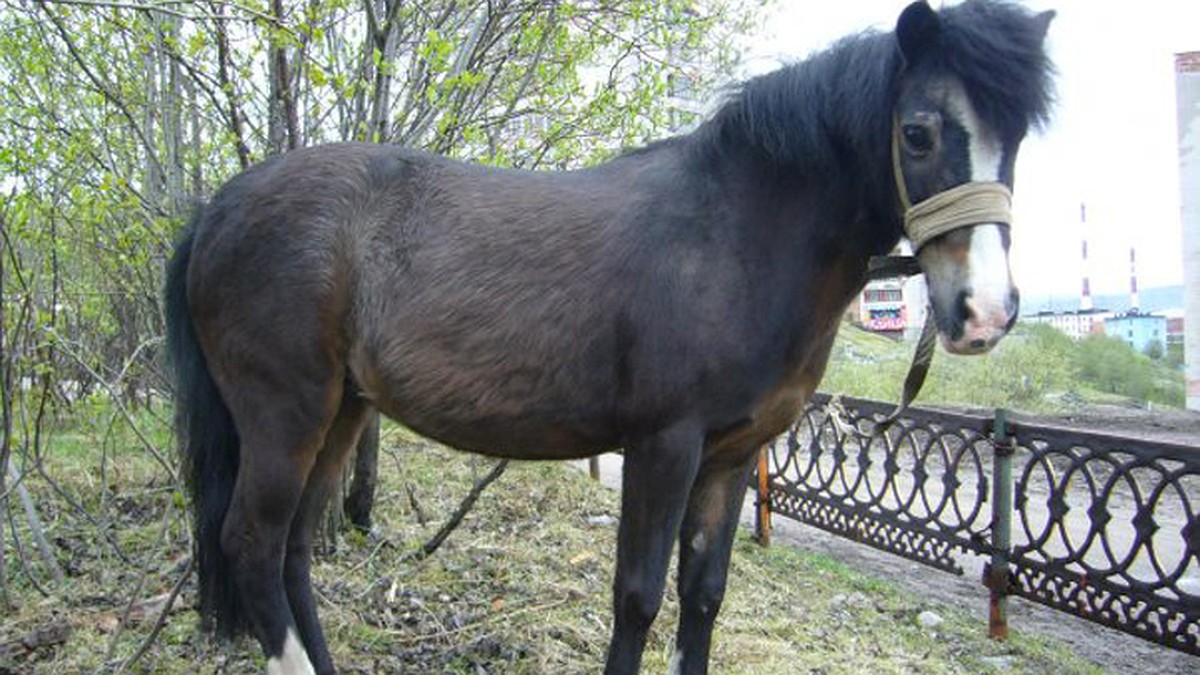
<point>810,237</point>
<point>826,219</point>
<point>815,137</point>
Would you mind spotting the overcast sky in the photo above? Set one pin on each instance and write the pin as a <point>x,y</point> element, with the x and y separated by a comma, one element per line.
<point>1111,144</point>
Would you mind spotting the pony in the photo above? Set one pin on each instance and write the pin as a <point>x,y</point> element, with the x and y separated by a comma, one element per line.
<point>679,302</point>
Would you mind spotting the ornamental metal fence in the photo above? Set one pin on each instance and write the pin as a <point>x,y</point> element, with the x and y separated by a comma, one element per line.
<point>1100,526</point>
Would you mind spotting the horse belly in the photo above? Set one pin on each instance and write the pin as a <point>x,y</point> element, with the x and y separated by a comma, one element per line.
<point>519,437</point>
<point>501,406</point>
<point>777,411</point>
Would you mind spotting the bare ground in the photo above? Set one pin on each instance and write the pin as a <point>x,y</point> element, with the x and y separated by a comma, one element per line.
<point>1113,650</point>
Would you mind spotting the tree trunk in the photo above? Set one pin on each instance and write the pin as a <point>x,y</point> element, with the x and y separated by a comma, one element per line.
<point>383,39</point>
<point>5,412</point>
<point>165,69</point>
<point>197,143</point>
<point>224,67</point>
<point>152,175</point>
<point>282,122</point>
<point>360,498</point>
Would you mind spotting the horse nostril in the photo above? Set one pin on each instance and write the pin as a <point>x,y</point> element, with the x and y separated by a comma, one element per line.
<point>978,344</point>
<point>963,306</point>
<point>1014,309</point>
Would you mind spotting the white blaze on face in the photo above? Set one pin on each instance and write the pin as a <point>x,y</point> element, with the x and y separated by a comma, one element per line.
<point>989,279</point>
<point>293,660</point>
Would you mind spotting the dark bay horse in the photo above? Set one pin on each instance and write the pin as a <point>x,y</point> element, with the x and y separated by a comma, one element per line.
<point>679,302</point>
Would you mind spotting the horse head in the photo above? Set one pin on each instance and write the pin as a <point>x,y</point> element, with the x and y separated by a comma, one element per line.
<point>965,100</point>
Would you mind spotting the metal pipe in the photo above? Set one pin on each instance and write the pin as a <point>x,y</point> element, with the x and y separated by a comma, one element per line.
<point>998,572</point>
<point>762,512</point>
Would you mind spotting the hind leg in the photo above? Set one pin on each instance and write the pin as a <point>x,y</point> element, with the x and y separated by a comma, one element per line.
<point>322,484</point>
<point>281,430</point>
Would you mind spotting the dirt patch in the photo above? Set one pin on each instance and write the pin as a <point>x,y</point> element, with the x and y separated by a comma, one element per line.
<point>1148,422</point>
<point>1155,423</point>
<point>1112,650</point>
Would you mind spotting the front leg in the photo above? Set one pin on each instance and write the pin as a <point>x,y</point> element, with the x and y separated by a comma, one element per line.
<point>705,543</point>
<point>658,475</point>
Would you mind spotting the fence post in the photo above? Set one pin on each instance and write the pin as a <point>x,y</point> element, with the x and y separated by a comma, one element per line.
<point>594,467</point>
<point>998,571</point>
<point>762,511</point>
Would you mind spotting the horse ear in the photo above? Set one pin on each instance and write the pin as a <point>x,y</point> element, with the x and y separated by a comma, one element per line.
<point>917,29</point>
<point>1042,23</point>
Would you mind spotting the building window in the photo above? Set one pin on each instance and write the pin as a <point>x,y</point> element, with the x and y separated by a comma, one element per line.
<point>883,295</point>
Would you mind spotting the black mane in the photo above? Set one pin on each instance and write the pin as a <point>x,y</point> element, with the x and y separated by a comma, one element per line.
<point>996,49</point>
<point>835,107</point>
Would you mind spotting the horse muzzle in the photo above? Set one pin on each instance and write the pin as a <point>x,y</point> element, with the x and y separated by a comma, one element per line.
<point>978,324</point>
<point>970,287</point>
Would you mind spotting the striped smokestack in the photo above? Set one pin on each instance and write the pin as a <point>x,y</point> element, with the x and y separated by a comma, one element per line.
<point>1134,303</point>
<point>1085,298</point>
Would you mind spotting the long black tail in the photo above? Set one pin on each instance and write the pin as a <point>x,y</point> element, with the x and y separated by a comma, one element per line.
<point>209,443</point>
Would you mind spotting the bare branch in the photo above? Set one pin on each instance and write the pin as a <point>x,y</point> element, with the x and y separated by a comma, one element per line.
<point>117,401</point>
<point>428,548</point>
<point>162,618</point>
<point>34,521</point>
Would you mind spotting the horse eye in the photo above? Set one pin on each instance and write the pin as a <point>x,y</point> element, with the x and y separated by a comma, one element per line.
<point>917,139</point>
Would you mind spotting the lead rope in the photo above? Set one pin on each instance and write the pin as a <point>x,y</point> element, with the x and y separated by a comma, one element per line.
<point>888,267</point>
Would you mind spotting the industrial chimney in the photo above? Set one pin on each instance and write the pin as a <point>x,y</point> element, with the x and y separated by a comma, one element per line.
<point>1085,299</point>
<point>1134,304</point>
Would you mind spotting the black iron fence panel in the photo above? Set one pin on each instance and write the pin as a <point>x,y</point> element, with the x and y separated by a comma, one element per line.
<point>919,491</point>
<point>1100,526</point>
<point>1107,529</point>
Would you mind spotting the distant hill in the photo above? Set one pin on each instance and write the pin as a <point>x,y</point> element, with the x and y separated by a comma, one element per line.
<point>1152,300</point>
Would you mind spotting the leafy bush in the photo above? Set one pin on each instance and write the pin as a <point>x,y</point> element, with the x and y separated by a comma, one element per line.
<point>1112,366</point>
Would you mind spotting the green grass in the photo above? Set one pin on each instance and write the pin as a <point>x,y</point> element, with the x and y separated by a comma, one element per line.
<point>1036,369</point>
<point>522,587</point>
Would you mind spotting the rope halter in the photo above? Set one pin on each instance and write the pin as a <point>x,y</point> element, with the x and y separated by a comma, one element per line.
<point>961,206</point>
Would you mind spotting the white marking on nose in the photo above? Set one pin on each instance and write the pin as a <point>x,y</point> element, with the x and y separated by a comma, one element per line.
<point>989,279</point>
<point>293,660</point>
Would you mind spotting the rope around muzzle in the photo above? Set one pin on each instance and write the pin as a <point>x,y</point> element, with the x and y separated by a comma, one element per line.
<point>962,206</point>
<point>965,205</point>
